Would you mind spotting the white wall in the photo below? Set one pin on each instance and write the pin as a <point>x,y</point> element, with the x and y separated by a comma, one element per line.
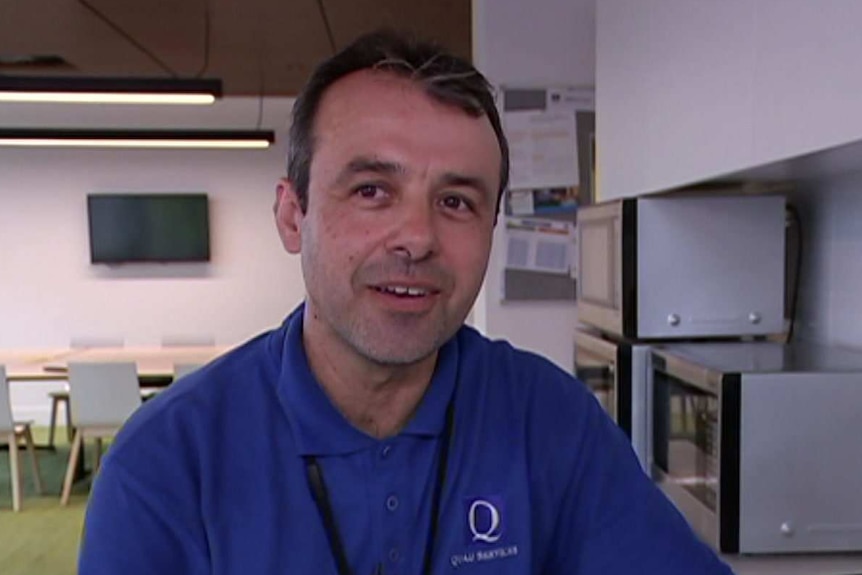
<point>50,293</point>
<point>531,43</point>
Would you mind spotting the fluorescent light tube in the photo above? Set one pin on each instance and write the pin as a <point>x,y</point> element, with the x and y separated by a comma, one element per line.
<point>84,90</point>
<point>163,139</point>
<point>105,98</point>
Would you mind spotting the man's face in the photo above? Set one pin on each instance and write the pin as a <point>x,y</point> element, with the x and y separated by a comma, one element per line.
<point>397,233</point>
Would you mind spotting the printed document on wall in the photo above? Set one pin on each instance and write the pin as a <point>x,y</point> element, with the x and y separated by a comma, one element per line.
<point>539,245</point>
<point>542,148</point>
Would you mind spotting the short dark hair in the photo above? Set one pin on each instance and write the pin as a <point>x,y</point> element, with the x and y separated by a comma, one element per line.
<point>445,77</point>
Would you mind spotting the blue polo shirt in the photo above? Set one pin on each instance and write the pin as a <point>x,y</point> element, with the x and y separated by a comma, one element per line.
<point>210,476</point>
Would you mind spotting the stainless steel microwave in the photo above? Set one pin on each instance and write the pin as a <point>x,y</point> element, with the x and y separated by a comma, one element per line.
<point>682,266</point>
<point>759,444</point>
<point>617,372</point>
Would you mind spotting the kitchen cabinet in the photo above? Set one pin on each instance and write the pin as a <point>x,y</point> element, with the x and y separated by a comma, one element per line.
<point>690,91</point>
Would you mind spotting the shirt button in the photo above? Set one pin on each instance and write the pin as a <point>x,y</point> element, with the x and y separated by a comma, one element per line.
<point>394,555</point>
<point>384,453</point>
<point>392,503</point>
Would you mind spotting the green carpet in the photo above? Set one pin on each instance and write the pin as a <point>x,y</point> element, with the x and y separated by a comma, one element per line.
<point>43,538</point>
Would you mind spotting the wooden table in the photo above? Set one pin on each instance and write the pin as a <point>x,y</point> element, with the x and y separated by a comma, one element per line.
<point>154,364</point>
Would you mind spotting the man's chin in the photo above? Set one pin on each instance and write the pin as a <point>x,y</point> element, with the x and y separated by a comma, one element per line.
<point>400,349</point>
<point>399,355</point>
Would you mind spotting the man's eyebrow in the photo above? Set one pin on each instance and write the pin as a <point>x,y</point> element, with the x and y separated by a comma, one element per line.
<point>465,181</point>
<point>364,164</point>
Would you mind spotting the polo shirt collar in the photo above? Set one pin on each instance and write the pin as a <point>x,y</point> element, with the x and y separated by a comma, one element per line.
<point>319,428</point>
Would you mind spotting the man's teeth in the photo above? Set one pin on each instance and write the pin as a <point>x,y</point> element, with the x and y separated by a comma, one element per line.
<point>402,290</point>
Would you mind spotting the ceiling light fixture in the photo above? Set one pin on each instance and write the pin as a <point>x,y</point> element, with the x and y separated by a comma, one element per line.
<point>165,139</point>
<point>86,90</point>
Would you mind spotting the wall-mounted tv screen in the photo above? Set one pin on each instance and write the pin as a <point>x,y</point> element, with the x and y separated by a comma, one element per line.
<point>148,228</point>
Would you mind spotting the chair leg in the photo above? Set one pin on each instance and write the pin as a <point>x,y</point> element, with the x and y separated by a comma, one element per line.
<point>15,469</point>
<point>34,460</point>
<point>69,429</point>
<point>70,469</point>
<point>53,426</point>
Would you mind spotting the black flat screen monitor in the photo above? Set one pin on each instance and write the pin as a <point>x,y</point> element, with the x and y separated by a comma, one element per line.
<point>148,228</point>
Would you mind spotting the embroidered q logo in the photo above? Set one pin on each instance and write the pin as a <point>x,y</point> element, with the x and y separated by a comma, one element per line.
<point>484,519</point>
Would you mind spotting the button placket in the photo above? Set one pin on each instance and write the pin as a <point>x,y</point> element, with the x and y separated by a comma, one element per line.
<point>392,468</point>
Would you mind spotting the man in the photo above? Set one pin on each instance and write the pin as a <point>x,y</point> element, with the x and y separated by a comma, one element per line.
<point>372,432</point>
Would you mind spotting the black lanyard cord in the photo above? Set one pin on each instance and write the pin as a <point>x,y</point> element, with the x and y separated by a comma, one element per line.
<point>314,474</point>
<point>442,465</point>
<point>324,507</point>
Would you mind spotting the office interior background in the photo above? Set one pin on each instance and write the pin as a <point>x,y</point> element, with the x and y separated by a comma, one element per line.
<point>675,103</point>
<point>685,90</point>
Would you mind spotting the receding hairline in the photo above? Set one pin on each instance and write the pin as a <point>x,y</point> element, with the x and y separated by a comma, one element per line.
<point>386,76</point>
<point>441,75</point>
<point>411,83</point>
<point>414,85</point>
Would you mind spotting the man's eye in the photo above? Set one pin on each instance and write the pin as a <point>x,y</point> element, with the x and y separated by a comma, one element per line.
<point>368,191</point>
<point>456,203</point>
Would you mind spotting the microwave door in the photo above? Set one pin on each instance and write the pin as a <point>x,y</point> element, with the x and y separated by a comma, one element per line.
<point>600,380</point>
<point>597,367</point>
<point>597,364</point>
<point>606,264</point>
<point>685,449</point>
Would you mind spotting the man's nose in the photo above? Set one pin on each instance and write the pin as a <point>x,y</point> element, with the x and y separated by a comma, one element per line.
<point>414,233</point>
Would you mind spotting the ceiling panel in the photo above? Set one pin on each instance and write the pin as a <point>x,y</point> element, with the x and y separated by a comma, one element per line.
<point>446,21</point>
<point>66,28</point>
<point>255,46</point>
<point>172,31</point>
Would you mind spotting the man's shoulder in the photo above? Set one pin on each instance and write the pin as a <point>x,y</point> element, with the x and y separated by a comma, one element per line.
<point>235,371</point>
<point>522,383</point>
<point>198,400</point>
<point>504,361</point>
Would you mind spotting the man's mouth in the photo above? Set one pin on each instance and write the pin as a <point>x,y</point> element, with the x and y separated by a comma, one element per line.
<point>403,291</point>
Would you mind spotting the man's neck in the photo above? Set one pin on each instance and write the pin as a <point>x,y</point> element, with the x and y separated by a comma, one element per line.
<point>377,399</point>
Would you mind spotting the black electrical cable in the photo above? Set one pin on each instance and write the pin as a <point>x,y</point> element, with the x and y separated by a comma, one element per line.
<point>207,26</point>
<point>260,103</point>
<point>794,296</point>
<point>327,26</point>
<point>261,61</point>
<point>128,37</point>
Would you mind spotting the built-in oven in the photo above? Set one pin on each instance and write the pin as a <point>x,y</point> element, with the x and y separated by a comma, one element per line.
<point>617,372</point>
<point>760,444</point>
<point>683,266</point>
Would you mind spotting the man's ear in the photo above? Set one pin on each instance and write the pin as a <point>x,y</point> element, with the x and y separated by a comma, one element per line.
<point>288,216</point>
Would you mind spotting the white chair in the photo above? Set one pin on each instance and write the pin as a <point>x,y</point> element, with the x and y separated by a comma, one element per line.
<point>58,399</point>
<point>61,398</point>
<point>11,432</point>
<point>103,396</point>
